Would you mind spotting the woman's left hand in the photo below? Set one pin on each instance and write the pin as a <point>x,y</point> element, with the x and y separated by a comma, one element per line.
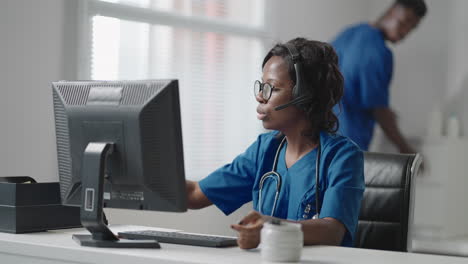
<point>249,230</point>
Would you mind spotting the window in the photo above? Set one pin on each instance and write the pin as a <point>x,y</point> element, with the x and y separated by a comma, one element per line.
<point>213,47</point>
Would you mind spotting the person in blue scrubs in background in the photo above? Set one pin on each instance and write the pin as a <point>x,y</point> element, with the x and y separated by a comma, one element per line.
<point>367,67</point>
<point>306,126</point>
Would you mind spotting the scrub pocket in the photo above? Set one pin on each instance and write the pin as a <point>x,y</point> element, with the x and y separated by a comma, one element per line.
<point>307,206</point>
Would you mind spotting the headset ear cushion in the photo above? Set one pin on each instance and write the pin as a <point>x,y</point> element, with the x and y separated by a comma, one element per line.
<point>297,90</point>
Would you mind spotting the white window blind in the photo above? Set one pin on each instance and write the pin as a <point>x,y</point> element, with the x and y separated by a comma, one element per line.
<point>214,48</point>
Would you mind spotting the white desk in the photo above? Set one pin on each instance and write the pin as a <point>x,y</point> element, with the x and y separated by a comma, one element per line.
<point>58,247</point>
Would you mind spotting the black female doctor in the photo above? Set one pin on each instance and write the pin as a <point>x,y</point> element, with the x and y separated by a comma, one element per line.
<point>302,171</point>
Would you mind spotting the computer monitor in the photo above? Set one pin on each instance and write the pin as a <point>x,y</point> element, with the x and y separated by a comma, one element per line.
<point>119,145</point>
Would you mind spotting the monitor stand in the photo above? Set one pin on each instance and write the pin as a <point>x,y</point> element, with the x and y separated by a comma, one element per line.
<point>92,214</point>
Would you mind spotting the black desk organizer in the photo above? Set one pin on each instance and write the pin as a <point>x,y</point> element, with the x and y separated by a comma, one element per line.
<point>27,206</point>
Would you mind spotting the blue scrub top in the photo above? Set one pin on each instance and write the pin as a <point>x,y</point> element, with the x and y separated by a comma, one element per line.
<point>341,181</point>
<point>367,67</point>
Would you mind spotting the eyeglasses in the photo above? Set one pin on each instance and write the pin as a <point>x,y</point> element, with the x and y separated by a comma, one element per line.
<point>264,88</point>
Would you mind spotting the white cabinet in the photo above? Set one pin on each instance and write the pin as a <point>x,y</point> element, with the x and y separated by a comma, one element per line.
<point>441,196</point>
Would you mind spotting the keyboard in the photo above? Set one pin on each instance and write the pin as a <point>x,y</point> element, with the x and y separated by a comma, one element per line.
<point>181,238</point>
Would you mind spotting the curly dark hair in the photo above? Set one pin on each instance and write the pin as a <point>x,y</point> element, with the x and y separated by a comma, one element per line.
<point>418,6</point>
<point>323,79</point>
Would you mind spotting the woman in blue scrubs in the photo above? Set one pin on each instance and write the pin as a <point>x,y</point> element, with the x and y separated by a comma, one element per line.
<point>300,85</point>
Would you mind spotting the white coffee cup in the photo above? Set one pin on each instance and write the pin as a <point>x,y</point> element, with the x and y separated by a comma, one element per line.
<point>281,242</point>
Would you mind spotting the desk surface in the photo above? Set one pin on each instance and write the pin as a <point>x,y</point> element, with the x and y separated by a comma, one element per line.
<point>58,247</point>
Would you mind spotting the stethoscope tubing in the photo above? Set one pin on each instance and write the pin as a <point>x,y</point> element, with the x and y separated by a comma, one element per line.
<point>277,177</point>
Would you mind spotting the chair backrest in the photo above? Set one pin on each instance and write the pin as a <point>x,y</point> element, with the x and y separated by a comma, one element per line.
<point>385,209</point>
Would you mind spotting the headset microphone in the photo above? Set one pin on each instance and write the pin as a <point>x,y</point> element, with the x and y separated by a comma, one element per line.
<point>283,106</point>
<point>297,101</point>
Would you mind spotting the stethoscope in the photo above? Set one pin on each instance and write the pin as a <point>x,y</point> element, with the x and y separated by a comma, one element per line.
<point>277,177</point>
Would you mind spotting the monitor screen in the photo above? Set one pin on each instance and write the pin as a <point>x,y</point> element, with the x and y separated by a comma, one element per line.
<point>141,119</point>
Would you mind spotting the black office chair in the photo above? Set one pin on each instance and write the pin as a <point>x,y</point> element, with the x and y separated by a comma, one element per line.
<point>386,208</point>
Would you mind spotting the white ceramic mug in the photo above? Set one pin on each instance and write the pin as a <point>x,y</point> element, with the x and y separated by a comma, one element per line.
<point>281,242</point>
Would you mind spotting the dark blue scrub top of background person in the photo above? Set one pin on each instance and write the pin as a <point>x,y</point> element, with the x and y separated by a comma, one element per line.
<point>367,66</point>
<point>341,181</point>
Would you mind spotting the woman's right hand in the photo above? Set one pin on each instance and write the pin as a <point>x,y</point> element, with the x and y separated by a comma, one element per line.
<point>249,230</point>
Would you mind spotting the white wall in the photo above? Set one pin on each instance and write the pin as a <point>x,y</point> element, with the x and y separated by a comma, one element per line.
<point>39,46</point>
<point>457,94</point>
<point>457,43</point>
<point>35,50</point>
<point>314,19</point>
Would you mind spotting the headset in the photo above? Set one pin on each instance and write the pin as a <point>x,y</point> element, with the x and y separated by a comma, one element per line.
<point>298,99</point>
<point>298,89</point>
